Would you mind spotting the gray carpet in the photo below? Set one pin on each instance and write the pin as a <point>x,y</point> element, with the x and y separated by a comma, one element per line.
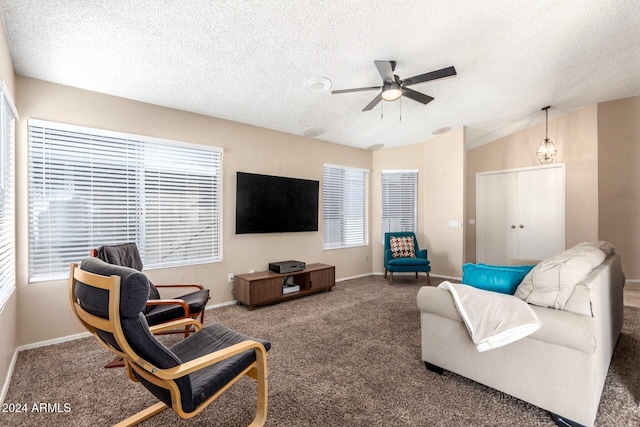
<point>350,357</point>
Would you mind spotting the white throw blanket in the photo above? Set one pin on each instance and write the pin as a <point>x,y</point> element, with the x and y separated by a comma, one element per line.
<point>492,319</point>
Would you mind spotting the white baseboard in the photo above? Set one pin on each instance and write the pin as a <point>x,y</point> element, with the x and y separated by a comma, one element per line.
<point>54,341</point>
<point>439,276</point>
<point>632,285</point>
<point>7,381</point>
<point>223,304</point>
<point>353,277</point>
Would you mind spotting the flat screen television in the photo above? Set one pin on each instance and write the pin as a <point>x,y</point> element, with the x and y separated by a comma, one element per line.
<point>275,204</point>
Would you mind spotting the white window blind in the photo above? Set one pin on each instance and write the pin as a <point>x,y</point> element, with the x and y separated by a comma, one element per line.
<point>7,216</point>
<point>345,206</point>
<point>399,201</point>
<point>91,187</point>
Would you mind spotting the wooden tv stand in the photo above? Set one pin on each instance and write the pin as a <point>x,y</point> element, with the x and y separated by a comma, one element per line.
<point>266,287</point>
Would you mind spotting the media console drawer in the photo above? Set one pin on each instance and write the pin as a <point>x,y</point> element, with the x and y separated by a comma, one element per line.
<point>266,287</point>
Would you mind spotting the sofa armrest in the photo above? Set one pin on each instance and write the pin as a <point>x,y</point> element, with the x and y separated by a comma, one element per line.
<point>437,301</point>
<point>421,253</point>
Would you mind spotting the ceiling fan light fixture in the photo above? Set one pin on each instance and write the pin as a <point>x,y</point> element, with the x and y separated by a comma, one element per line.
<point>391,91</point>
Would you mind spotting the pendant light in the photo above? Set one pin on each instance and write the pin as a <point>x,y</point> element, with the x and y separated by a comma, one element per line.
<point>546,151</point>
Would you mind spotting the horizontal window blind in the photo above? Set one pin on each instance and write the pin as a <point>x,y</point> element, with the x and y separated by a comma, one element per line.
<point>399,201</point>
<point>345,206</point>
<point>182,217</point>
<point>7,217</point>
<point>91,187</point>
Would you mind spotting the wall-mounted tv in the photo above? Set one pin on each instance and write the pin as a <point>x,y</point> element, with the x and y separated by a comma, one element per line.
<point>275,204</point>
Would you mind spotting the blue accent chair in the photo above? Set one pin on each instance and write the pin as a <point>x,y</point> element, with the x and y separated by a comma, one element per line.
<point>405,264</point>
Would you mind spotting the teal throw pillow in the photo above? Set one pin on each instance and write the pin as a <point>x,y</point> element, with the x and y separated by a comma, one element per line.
<point>496,278</point>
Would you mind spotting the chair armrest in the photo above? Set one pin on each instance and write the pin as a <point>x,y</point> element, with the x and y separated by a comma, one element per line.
<point>207,360</point>
<point>180,302</point>
<point>175,324</point>
<point>387,256</point>
<point>181,285</point>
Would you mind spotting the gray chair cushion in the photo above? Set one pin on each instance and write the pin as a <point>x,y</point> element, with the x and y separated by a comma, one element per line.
<point>126,254</point>
<point>96,301</point>
<point>214,337</point>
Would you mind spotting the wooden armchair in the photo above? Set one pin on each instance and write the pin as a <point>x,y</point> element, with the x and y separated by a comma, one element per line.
<point>109,301</point>
<point>158,310</point>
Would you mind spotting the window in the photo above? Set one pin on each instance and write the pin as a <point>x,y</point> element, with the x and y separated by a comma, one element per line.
<point>399,201</point>
<point>91,187</point>
<point>345,206</point>
<point>7,220</point>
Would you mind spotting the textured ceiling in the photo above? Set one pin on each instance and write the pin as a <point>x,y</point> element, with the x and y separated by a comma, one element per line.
<point>248,61</point>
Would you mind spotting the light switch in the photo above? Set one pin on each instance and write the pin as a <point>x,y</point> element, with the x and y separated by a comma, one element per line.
<point>472,221</point>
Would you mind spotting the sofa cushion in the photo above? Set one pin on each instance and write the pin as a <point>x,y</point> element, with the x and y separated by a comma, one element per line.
<point>495,278</point>
<point>408,262</point>
<point>552,281</point>
<point>402,247</point>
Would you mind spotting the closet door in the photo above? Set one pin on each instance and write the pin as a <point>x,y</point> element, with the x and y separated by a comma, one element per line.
<point>540,212</point>
<point>496,215</point>
<point>520,214</point>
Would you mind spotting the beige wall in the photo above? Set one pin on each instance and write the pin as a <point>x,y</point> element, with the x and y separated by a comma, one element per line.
<point>619,183</point>
<point>444,198</point>
<point>440,165</point>
<point>43,307</point>
<point>576,137</point>
<point>8,313</point>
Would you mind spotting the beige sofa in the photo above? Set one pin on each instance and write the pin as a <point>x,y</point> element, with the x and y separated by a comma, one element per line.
<point>561,367</point>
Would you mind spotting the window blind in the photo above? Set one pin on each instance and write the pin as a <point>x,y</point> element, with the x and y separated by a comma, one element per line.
<point>7,216</point>
<point>91,187</point>
<point>399,201</point>
<point>345,206</point>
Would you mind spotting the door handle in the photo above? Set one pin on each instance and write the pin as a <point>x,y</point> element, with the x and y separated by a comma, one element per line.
<point>521,226</point>
<point>513,226</point>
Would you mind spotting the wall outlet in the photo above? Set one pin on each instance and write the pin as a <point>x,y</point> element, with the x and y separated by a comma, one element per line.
<point>230,278</point>
<point>366,258</point>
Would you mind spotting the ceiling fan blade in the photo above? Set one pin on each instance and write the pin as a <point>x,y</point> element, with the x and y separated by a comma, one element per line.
<point>433,75</point>
<point>385,68</point>
<point>333,92</point>
<point>416,96</point>
<point>373,103</point>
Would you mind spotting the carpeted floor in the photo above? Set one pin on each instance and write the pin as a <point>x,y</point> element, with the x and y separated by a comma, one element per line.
<point>350,357</point>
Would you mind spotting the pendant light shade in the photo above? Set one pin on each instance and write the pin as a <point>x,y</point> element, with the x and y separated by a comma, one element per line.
<point>547,150</point>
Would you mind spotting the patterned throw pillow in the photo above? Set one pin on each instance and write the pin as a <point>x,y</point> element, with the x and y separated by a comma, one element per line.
<point>402,247</point>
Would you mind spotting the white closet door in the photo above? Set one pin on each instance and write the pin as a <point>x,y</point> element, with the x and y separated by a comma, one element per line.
<point>520,214</point>
<point>496,215</point>
<point>540,212</point>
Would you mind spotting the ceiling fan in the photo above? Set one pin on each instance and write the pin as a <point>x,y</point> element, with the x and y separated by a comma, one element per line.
<point>393,88</point>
